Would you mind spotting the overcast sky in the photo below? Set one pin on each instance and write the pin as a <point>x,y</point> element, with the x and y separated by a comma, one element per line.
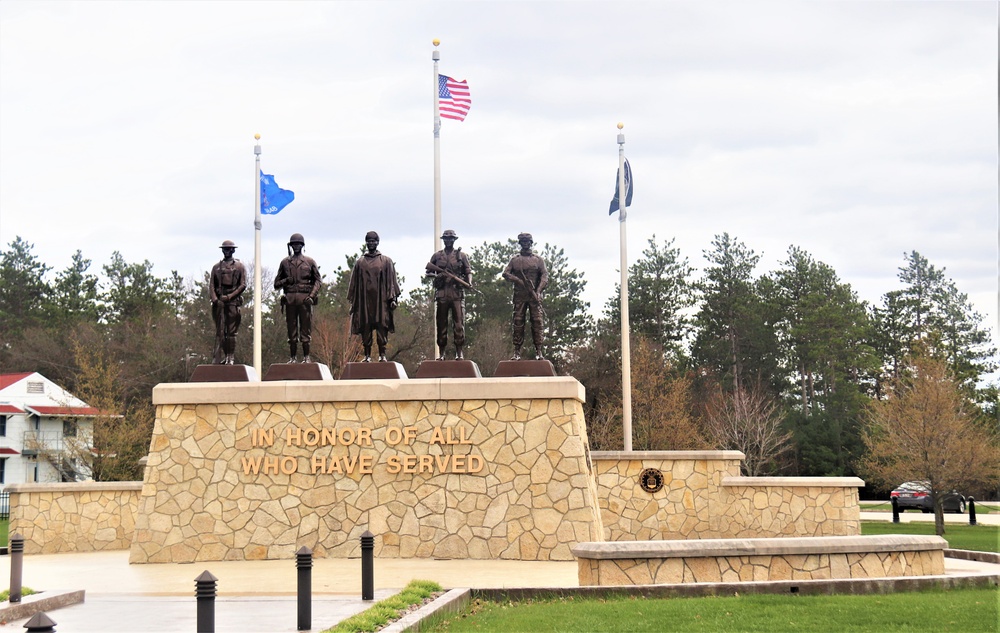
<point>858,131</point>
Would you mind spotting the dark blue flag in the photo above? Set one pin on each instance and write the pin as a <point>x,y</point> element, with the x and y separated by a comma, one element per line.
<point>628,189</point>
<point>272,197</point>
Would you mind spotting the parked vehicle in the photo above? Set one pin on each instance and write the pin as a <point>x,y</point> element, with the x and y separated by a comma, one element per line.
<point>916,495</point>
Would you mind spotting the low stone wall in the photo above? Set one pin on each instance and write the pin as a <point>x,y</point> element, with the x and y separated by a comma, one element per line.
<point>457,468</point>
<point>756,507</point>
<point>74,517</point>
<point>746,560</point>
<point>703,496</point>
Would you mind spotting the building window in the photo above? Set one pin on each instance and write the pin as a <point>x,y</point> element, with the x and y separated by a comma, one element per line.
<point>3,470</point>
<point>36,387</point>
<point>69,428</point>
<point>3,427</point>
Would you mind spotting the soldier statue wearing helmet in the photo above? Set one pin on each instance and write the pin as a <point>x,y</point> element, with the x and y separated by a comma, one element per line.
<point>452,274</point>
<point>299,278</point>
<point>225,289</point>
<point>527,271</point>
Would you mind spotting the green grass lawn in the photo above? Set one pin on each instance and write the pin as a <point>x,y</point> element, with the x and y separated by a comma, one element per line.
<point>982,538</point>
<point>955,610</point>
<point>3,532</point>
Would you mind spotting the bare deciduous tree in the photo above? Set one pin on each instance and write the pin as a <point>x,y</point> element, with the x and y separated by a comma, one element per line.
<point>661,406</point>
<point>923,431</point>
<point>747,420</point>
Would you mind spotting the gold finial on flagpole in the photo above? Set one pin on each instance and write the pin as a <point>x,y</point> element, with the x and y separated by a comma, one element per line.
<point>436,42</point>
<point>257,136</point>
<point>620,125</point>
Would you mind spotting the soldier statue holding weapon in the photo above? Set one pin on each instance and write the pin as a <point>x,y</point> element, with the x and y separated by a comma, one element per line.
<point>452,274</point>
<point>528,274</point>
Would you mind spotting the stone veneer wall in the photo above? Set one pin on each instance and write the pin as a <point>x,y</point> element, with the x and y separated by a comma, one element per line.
<point>749,560</point>
<point>74,517</point>
<point>531,499</point>
<point>703,496</point>
<point>790,506</point>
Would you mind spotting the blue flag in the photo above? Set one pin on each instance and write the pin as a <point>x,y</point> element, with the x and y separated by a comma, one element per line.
<point>628,189</point>
<point>272,197</point>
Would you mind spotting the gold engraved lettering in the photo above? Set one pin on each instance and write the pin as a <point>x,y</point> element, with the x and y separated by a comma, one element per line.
<point>289,465</point>
<point>364,437</point>
<point>411,434</point>
<point>393,465</point>
<point>251,465</point>
<point>293,436</point>
<point>436,436</point>
<point>475,464</point>
<point>346,436</point>
<point>393,436</point>
<point>311,437</point>
<point>261,437</point>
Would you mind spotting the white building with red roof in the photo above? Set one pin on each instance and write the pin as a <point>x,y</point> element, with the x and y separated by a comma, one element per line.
<point>42,427</point>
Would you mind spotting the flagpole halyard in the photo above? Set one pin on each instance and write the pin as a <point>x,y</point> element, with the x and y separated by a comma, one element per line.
<point>257,298</point>
<point>626,348</point>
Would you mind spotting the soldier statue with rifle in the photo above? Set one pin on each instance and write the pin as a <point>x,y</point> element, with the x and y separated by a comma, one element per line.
<point>452,274</point>
<point>225,289</point>
<point>528,274</point>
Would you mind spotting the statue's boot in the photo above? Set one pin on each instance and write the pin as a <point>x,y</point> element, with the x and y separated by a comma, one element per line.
<point>292,349</point>
<point>368,355</point>
<point>517,353</point>
<point>381,354</point>
<point>305,353</point>
<point>458,353</point>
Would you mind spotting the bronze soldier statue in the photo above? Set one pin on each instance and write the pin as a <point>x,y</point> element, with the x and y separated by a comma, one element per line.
<point>225,288</point>
<point>527,271</point>
<point>298,276</point>
<point>452,275</point>
<point>373,292</point>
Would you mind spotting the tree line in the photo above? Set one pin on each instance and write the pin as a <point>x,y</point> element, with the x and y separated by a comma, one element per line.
<point>784,365</point>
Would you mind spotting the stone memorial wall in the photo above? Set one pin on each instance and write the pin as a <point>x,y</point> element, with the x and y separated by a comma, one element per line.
<point>476,468</point>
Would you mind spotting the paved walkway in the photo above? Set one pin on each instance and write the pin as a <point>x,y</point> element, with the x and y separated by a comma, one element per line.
<point>259,596</point>
<point>253,596</point>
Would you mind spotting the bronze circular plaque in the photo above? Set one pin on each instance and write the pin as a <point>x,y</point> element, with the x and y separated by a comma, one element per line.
<point>651,480</point>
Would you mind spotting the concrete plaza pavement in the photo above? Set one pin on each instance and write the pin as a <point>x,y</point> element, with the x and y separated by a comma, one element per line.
<point>260,596</point>
<point>253,596</point>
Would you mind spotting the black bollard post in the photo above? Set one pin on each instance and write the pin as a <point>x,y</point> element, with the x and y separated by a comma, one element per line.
<point>16,564</point>
<point>367,566</point>
<point>972,510</point>
<point>304,563</point>
<point>895,510</point>
<point>204,591</point>
<point>40,623</point>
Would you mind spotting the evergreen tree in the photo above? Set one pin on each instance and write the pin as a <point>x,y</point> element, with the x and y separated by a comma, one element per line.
<point>659,292</point>
<point>734,338</point>
<point>24,292</point>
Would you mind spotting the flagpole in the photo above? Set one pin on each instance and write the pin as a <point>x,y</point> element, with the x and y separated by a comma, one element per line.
<point>436,56</point>
<point>257,298</point>
<point>626,351</point>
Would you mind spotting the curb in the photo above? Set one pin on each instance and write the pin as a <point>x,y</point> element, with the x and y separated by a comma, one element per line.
<point>453,601</point>
<point>38,602</point>
<point>967,554</point>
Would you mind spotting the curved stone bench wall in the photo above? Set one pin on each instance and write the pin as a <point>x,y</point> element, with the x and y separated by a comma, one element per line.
<point>745,560</point>
<point>74,517</point>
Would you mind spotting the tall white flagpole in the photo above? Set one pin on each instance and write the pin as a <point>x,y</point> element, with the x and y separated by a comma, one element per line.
<point>436,56</point>
<point>257,297</point>
<point>626,350</point>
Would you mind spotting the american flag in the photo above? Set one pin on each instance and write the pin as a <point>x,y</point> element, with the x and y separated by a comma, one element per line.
<point>454,99</point>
